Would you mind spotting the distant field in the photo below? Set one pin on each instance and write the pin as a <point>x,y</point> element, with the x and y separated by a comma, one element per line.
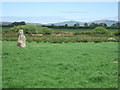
<point>66,65</point>
<point>77,30</point>
<point>70,30</point>
<point>62,39</point>
<point>5,28</point>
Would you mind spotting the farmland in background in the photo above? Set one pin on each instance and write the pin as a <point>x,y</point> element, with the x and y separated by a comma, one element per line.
<point>67,36</point>
<point>77,30</point>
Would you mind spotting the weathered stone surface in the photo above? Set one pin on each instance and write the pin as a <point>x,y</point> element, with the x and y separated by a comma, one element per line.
<point>21,39</point>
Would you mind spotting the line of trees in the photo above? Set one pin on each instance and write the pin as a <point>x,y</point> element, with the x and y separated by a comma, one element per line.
<point>75,26</point>
<point>86,26</point>
<point>14,24</point>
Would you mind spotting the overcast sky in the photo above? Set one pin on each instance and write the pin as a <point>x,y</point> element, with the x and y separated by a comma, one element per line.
<point>49,12</point>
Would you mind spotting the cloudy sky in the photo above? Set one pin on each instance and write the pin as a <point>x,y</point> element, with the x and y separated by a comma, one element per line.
<point>51,12</point>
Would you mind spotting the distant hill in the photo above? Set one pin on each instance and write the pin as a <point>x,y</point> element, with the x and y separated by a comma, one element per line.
<point>6,23</point>
<point>35,23</point>
<point>33,20</point>
<point>108,22</point>
<point>71,23</point>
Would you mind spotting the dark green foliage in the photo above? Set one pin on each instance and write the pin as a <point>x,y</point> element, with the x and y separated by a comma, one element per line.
<point>76,25</point>
<point>116,24</point>
<point>18,23</point>
<point>117,33</point>
<point>66,25</point>
<point>94,25</point>
<point>103,25</point>
<point>97,30</point>
<point>86,24</point>
<point>100,30</point>
<point>9,24</point>
<point>32,29</point>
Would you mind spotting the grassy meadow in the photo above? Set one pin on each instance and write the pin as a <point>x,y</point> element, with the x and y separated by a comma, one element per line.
<point>69,44</point>
<point>0,58</point>
<point>69,30</point>
<point>0,64</point>
<point>78,30</point>
<point>66,35</point>
<point>60,65</point>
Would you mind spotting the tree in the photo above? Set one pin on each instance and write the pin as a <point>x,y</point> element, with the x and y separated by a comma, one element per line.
<point>94,25</point>
<point>22,23</point>
<point>103,25</point>
<point>66,25</point>
<point>117,33</point>
<point>52,25</point>
<point>18,23</point>
<point>77,24</point>
<point>113,25</point>
<point>116,24</point>
<point>100,30</point>
<point>86,24</point>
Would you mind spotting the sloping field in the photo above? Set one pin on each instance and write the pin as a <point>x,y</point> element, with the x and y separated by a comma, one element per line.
<point>65,65</point>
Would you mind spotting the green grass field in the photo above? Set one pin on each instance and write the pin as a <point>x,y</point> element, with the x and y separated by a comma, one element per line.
<point>65,65</point>
<point>0,64</point>
<point>78,30</point>
<point>72,30</point>
<point>69,30</point>
<point>0,58</point>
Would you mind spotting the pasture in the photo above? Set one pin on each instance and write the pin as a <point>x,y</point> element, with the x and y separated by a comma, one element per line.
<point>67,35</point>
<point>69,30</point>
<point>0,64</point>
<point>79,30</point>
<point>60,65</point>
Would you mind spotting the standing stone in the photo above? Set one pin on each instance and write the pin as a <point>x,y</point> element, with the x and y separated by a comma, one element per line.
<point>21,39</point>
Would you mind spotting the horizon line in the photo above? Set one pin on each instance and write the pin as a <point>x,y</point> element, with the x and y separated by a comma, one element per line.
<point>65,21</point>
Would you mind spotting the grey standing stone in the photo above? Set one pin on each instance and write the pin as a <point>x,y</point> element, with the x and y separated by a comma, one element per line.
<point>21,39</point>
